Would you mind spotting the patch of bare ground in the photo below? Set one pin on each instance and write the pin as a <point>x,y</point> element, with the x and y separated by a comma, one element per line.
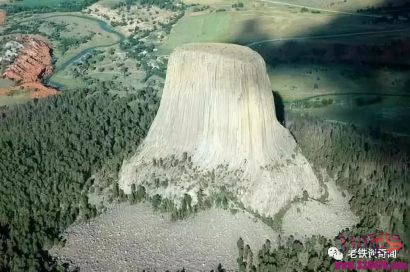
<point>133,238</point>
<point>326,218</point>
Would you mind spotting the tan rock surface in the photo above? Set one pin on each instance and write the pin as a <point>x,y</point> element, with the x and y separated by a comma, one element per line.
<point>2,17</point>
<point>217,106</point>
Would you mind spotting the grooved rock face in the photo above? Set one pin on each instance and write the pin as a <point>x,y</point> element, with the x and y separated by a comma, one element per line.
<point>33,62</point>
<point>2,17</point>
<point>217,110</point>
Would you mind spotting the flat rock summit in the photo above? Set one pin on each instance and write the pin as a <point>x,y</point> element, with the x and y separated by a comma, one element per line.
<point>216,130</point>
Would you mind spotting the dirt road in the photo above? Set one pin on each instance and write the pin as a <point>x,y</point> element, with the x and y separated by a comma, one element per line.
<point>326,36</point>
<point>324,10</point>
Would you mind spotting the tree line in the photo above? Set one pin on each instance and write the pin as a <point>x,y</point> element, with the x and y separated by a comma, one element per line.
<point>371,165</point>
<point>65,6</point>
<point>50,149</point>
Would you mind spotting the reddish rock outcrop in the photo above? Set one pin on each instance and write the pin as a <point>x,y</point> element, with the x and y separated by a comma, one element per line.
<point>2,17</point>
<point>37,90</point>
<point>33,62</point>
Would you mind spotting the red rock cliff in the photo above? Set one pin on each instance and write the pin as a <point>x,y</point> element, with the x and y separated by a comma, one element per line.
<point>33,62</point>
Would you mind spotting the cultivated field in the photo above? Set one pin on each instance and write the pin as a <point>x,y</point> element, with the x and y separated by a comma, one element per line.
<point>5,83</point>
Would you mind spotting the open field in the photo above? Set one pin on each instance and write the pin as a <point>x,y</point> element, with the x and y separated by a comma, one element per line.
<point>5,83</point>
<point>283,34</point>
<point>210,27</point>
<point>220,3</point>
<point>300,81</point>
<point>263,23</point>
<point>318,52</point>
<point>331,5</point>
<point>339,5</point>
<point>16,98</point>
<point>110,3</point>
<point>390,113</point>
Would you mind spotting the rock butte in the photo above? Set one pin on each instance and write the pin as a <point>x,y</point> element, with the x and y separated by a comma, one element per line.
<point>217,108</point>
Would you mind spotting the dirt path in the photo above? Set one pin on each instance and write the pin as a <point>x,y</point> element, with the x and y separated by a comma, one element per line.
<point>325,10</point>
<point>327,36</point>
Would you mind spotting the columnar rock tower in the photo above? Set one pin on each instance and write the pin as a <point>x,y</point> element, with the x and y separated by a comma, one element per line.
<point>216,128</point>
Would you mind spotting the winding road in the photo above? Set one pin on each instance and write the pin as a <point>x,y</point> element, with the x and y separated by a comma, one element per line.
<point>327,36</point>
<point>325,10</point>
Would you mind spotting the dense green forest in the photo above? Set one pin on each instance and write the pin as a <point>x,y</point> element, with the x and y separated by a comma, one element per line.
<point>372,166</point>
<point>67,6</point>
<point>50,149</point>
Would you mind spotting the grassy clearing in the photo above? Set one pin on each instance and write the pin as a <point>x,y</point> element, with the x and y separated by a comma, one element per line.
<point>297,81</point>
<point>347,6</point>
<point>389,113</point>
<point>15,98</point>
<point>5,83</point>
<point>202,28</point>
<point>110,3</point>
